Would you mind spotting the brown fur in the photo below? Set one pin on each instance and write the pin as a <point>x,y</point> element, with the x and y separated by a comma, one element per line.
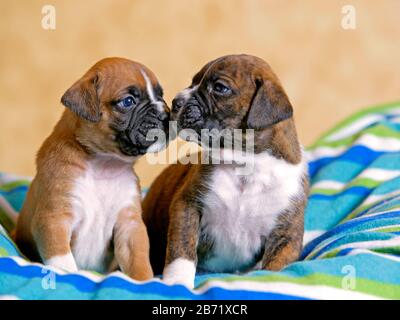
<point>172,207</point>
<point>44,225</point>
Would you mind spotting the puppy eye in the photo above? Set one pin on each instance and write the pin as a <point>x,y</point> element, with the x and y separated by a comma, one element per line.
<point>126,102</point>
<point>220,88</point>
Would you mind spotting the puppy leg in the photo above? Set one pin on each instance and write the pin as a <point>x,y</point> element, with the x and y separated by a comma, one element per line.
<point>181,256</point>
<point>52,235</point>
<point>284,243</point>
<point>131,245</point>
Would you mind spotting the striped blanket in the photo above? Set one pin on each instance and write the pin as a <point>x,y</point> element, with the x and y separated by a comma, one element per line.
<point>352,239</point>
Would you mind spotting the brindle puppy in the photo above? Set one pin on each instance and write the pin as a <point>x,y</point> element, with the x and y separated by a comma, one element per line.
<point>211,217</point>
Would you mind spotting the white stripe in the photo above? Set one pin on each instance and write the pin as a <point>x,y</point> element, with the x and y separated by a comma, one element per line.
<point>311,235</point>
<point>355,127</point>
<point>365,245</point>
<point>87,274</point>
<point>375,198</point>
<point>361,123</point>
<point>373,173</point>
<point>379,143</point>
<point>308,291</point>
<point>379,174</point>
<point>9,297</point>
<point>150,92</point>
<point>323,152</point>
<point>382,255</point>
<point>315,253</point>
<point>371,214</point>
<point>328,184</point>
<point>8,177</point>
<point>368,140</point>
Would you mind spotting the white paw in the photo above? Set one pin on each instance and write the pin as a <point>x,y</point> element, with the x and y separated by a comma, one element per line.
<point>65,262</point>
<point>180,271</point>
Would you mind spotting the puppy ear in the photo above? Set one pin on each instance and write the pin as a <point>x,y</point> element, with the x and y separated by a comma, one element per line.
<point>82,98</point>
<point>269,105</point>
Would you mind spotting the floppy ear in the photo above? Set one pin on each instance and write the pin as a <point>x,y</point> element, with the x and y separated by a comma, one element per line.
<point>269,105</point>
<point>82,98</point>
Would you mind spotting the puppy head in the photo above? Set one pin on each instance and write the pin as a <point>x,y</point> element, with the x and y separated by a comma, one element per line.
<point>117,102</point>
<point>232,92</point>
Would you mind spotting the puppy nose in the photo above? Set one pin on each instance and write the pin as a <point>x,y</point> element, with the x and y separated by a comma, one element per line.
<point>177,103</point>
<point>163,116</point>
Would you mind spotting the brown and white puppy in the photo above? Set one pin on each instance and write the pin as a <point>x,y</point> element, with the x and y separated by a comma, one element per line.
<point>207,215</point>
<point>83,207</point>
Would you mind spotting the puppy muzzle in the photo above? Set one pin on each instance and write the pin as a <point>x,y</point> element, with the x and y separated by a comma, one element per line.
<point>189,114</point>
<point>148,127</point>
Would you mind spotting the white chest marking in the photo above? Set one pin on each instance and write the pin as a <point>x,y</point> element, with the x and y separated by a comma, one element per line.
<point>107,186</point>
<point>240,211</point>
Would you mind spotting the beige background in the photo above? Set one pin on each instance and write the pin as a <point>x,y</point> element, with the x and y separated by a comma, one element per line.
<point>328,72</point>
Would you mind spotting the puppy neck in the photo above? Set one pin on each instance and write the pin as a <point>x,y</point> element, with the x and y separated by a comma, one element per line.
<point>104,166</point>
<point>281,141</point>
<point>90,137</point>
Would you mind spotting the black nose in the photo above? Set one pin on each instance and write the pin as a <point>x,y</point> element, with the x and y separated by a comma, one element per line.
<point>177,103</point>
<point>163,116</point>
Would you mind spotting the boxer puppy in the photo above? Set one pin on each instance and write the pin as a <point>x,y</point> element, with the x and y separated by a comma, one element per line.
<point>83,207</point>
<point>207,215</point>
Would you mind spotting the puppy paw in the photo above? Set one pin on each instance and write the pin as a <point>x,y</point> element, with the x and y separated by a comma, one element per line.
<point>180,271</point>
<point>65,262</point>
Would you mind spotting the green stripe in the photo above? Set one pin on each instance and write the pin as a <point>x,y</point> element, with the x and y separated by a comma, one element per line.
<point>3,252</point>
<point>376,109</point>
<point>367,286</point>
<point>360,182</point>
<point>327,192</point>
<point>365,207</point>
<point>389,250</point>
<point>5,220</point>
<point>14,184</point>
<point>388,229</point>
<point>364,182</point>
<point>380,131</point>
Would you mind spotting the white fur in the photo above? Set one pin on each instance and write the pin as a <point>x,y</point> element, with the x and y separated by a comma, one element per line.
<point>108,186</point>
<point>150,92</point>
<point>241,210</point>
<point>65,262</point>
<point>158,145</point>
<point>180,271</point>
<point>186,95</point>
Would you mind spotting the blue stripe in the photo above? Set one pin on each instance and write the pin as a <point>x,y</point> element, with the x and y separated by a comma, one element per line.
<point>16,189</point>
<point>358,154</point>
<point>357,190</point>
<point>85,285</point>
<point>381,205</point>
<point>342,227</point>
<point>353,238</point>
